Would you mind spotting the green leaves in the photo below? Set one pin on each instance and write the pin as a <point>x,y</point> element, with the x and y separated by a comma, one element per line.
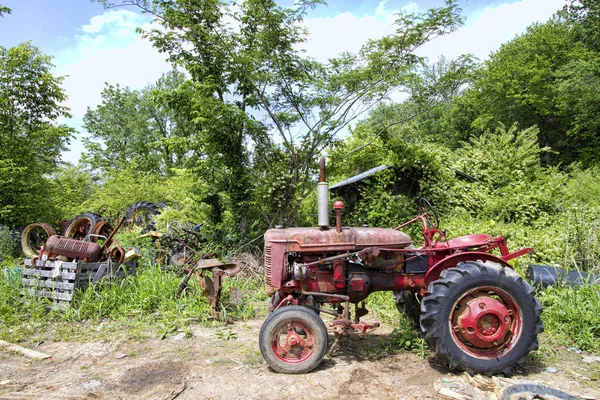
<point>31,138</point>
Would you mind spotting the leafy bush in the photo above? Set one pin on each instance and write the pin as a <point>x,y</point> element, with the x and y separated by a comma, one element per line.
<point>7,242</point>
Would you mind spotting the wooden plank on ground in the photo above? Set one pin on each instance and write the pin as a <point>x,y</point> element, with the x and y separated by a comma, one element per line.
<point>48,284</point>
<point>50,264</point>
<point>22,350</point>
<point>47,274</point>
<point>49,294</point>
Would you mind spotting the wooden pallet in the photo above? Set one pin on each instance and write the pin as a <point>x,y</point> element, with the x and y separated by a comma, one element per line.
<point>57,281</point>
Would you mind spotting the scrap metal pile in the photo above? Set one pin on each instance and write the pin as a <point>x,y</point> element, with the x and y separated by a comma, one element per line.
<point>86,251</point>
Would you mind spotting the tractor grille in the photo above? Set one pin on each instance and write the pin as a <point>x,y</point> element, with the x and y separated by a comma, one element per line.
<point>268,264</point>
<point>73,245</point>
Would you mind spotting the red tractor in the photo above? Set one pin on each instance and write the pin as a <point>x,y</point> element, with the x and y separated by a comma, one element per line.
<point>475,311</point>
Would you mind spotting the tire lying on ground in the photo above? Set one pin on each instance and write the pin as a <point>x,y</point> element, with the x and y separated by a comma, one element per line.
<point>82,225</point>
<point>33,236</point>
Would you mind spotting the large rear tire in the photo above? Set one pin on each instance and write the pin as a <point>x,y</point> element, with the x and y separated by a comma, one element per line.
<point>481,318</point>
<point>293,340</point>
<point>34,236</point>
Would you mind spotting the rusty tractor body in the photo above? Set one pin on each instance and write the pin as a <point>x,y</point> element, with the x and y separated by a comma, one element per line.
<point>476,312</point>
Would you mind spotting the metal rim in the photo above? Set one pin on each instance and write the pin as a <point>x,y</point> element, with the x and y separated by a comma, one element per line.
<point>293,342</point>
<point>81,227</point>
<point>28,244</point>
<point>486,322</point>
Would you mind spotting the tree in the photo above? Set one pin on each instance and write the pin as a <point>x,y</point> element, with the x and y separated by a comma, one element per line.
<point>30,137</point>
<point>535,80</point>
<point>136,128</point>
<point>4,10</point>
<point>244,59</point>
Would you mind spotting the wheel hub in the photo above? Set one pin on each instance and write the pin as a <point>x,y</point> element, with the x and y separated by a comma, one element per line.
<point>483,322</point>
<point>294,343</point>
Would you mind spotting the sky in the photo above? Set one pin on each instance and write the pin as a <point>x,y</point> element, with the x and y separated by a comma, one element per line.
<point>91,45</point>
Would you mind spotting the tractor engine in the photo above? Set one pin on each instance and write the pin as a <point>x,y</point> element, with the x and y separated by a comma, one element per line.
<point>348,261</point>
<point>304,260</point>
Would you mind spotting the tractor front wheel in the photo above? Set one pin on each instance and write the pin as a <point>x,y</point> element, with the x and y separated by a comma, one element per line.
<point>293,340</point>
<point>481,318</point>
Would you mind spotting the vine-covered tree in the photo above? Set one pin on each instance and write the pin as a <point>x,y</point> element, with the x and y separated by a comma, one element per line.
<point>244,60</point>
<point>136,129</point>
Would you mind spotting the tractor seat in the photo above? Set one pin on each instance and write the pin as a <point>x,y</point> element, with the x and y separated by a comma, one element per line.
<point>475,240</point>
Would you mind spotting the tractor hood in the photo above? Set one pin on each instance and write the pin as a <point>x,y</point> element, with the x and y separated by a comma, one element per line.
<point>315,240</point>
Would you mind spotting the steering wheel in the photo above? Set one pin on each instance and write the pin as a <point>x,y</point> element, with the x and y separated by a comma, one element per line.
<point>427,206</point>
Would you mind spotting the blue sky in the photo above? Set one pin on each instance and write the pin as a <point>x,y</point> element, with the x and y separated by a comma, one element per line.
<point>92,46</point>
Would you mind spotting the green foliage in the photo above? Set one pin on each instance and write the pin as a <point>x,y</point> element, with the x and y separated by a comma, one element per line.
<point>30,137</point>
<point>4,10</point>
<point>7,243</point>
<point>144,304</point>
<point>509,182</point>
<point>137,129</point>
<point>71,188</point>
<point>571,315</point>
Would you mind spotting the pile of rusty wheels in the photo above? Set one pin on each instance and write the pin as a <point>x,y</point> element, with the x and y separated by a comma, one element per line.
<point>477,317</point>
<point>34,236</point>
<point>87,226</point>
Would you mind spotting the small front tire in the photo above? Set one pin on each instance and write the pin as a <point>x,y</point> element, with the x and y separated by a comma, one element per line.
<point>293,340</point>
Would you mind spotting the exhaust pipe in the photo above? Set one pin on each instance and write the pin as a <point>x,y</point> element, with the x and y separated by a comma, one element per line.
<point>544,276</point>
<point>323,197</point>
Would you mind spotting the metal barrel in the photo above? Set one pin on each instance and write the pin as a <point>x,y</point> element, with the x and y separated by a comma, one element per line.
<point>544,276</point>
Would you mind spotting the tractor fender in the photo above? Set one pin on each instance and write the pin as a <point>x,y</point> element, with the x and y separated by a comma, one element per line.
<point>452,261</point>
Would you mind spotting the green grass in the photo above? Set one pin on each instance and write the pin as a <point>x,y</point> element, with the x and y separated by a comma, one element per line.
<point>144,306</point>
<point>572,315</point>
<point>139,306</point>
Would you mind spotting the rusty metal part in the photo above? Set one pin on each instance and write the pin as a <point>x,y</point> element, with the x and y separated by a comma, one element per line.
<point>322,174</point>
<point>72,248</point>
<point>211,286</point>
<point>486,322</point>
<point>26,237</point>
<point>483,321</point>
<point>338,206</point>
<point>110,237</point>
<point>102,228</point>
<point>116,253</point>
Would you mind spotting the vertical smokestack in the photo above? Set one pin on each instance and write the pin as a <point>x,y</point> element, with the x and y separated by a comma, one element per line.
<point>323,196</point>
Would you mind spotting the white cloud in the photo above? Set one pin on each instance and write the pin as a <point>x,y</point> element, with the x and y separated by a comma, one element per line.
<point>109,50</point>
<point>345,32</point>
<point>111,18</point>
<point>493,26</point>
<point>483,33</point>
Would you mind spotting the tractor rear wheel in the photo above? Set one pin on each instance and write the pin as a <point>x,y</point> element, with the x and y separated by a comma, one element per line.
<point>293,340</point>
<point>481,318</point>
<point>409,303</point>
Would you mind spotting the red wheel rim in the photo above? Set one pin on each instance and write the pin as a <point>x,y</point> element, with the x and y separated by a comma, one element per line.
<point>293,342</point>
<point>486,322</point>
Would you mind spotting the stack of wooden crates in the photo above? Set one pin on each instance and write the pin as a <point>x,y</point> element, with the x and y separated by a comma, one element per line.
<point>57,281</point>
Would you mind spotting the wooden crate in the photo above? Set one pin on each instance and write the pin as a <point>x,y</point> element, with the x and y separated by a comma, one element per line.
<point>57,281</point>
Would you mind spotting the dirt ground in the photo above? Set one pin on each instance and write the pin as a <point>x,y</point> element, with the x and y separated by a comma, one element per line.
<point>225,363</point>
